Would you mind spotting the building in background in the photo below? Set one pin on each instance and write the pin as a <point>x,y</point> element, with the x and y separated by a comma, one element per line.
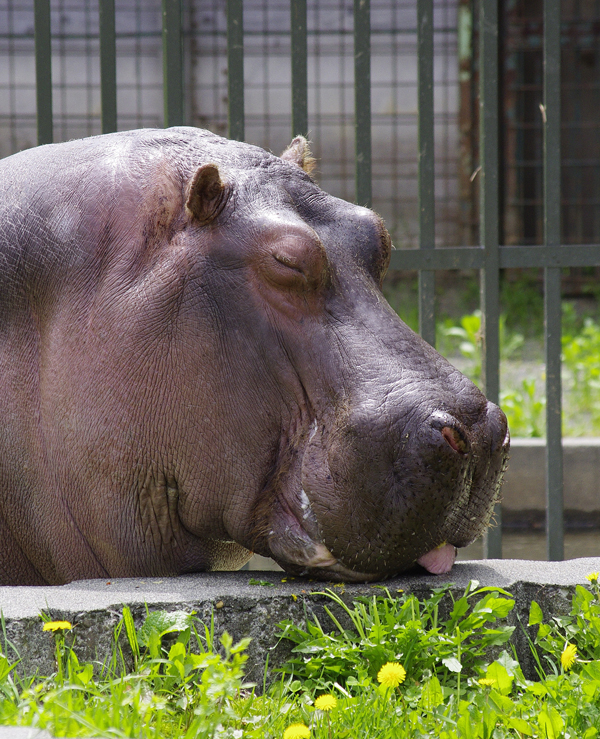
<point>76,79</point>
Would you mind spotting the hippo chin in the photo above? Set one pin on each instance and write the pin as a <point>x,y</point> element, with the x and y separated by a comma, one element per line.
<point>197,363</point>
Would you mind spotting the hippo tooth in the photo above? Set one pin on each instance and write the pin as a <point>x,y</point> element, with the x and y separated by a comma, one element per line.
<point>305,505</point>
<point>322,557</point>
<point>313,430</point>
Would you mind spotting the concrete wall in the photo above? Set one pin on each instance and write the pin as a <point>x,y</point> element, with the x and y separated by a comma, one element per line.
<point>524,485</point>
<point>246,609</point>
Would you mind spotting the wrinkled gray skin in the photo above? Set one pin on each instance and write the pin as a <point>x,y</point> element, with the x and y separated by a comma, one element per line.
<point>180,384</point>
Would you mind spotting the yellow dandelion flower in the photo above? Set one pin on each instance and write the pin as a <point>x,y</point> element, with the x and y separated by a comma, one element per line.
<point>56,625</point>
<point>326,702</point>
<point>569,656</point>
<point>488,681</point>
<point>296,731</point>
<point>391,674</point>
<point>592,577</point>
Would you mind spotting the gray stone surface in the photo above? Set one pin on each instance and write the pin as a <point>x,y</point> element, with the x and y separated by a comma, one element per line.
<point>94,606</point>
<point>524,483</point>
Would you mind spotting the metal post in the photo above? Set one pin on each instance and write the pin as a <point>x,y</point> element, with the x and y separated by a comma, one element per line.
<point>489,232</point>
<point>172,63</point>
<point>108,66</point>
<point>299,68</point>
<point>235,68</point>
<point>43,72</point>
<point>426,165</point>
<point>552,292</point>
<point>362,99</point>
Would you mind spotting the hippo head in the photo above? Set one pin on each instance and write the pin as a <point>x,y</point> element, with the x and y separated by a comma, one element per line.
<point>197,362</point>
<point>364,451</point>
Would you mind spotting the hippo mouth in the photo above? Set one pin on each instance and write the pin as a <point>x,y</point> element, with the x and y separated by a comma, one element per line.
<point>295,544</point>
<point>339,514</point>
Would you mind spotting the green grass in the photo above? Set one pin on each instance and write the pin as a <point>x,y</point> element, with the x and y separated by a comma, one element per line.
<point>459,678</point>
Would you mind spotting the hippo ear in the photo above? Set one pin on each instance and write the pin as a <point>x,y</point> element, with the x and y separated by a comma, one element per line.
<point>298,153</point>
<point>207,194</point>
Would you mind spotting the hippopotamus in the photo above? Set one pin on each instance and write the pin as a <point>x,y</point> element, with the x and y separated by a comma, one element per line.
<point>197,362</point>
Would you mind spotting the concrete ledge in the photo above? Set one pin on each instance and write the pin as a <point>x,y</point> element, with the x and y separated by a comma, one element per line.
<point>525,480</point>
<point>94,606</point>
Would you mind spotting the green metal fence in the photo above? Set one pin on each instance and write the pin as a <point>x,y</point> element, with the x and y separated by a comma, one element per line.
<point>489,258</point>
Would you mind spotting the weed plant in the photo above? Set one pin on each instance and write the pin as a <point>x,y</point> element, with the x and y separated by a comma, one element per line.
<point>388,666</point>
<point>458,337</point>
<point>524,403</point>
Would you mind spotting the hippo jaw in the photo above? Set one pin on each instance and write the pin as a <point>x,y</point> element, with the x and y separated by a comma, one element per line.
<point>303,539</point>
<point>294,542</point>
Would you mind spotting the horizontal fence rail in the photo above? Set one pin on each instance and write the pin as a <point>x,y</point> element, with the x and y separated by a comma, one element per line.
<point>488,258</point>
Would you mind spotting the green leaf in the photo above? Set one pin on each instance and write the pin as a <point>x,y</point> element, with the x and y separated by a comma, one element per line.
<point>432,694</point>
<point>502,702</point>
<point>550,722</point>
<point>537,689</point>
<point>520,725</point>
<point>163,622</point>
<point>226,641</point>
<point>501,607</point>
<point>86,674</point>
<point>241,646</point>
<point>460,608</point>
<point>497,672</point>
<point>490,717</point>
<point>6,667</point>
<point>130,631</point>
<point>264,583</point>
<point>543,631</point>
<point>177,658</point>
<point>154,644</point>
<point>535,614</point>
<point>592,670</point>
<point>197,661</point>
<point>465,726</point>
<point>511,665</point>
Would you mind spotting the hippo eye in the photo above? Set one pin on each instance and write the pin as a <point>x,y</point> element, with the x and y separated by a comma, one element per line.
<point>285,272</point>
<point>302,269</point>
<point>288,262</point>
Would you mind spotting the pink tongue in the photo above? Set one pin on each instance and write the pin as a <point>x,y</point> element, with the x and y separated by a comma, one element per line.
<point>438,561</point>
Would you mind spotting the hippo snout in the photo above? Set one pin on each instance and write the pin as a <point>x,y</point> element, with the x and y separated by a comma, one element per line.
<point>425,486</point>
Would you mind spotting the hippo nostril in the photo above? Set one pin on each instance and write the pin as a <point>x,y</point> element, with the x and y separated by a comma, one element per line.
<point>455,439</point>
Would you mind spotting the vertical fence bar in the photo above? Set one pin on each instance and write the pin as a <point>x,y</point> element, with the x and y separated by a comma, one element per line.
<point>43,72</point>
<point>426,165</point>
<point>172,63</point>
<point>299,68</point>
<point>489,232</point>
<point>552,292</point>
<point>108,66</point>
<point>235,68</point>
<point>362,99</point>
